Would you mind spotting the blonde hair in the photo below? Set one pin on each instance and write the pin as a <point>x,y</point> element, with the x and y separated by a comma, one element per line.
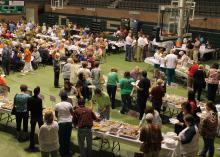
<point>48,116</point>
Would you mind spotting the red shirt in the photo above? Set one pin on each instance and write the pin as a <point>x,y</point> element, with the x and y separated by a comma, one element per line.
<point>193,69</point>
<point>83,117</point>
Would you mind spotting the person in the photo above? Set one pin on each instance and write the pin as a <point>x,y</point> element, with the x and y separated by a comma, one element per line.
<point>96,75</point>
<point>66,70</point>
<point>73,71</point>
<point>56,68</point>
<point>136,73</point>
<point>199,81</point>
<point>189,138</point>
<point>64,113</point>
<point>151,137</point>
<point>208,129</point>
<point>20,103</point>
<point>27,59</point>
<point>184,59</point>
<point>86,72</point>
<point>196,50</point>
<point>82,87</point>
<point>102,100</point>
<point>157,56</point>
<point>34,105</point>
<point>186,109</point>
<point>128,52</point>
<point>157,93</point>
<point>192,101</point>
<point>156,120</point>
<point>36,58</point>
<point>140,45</point>
<point>171,63</point>
<point>213,81</point>
<point>142,93</point>
<point>48,136</point>
<point>83,118</point>
<point>70,90</point>
<point>126,89</point>
<point>6,57</point>
<point>112,80</point>
<point>162,62</point>
<point>191,71</point>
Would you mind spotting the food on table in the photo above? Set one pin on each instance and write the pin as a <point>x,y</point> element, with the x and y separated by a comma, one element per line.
<point>114,131</point>
<point>7,106</point>
<point>175,99</point>
<point>96,126</point>
<point>129,131</point>
<point>169,142</point>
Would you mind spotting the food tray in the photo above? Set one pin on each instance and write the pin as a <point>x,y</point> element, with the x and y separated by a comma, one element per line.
<point>127,136</point>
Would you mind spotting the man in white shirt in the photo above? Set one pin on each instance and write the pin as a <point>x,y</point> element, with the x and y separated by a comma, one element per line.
<point>170,62</point>
<point>140,46</point>
<point>64,113</point>
<point>128,53</point>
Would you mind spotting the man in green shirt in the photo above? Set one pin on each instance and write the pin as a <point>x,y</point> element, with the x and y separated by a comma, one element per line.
<point>126,88</point>
<point>103,102</point>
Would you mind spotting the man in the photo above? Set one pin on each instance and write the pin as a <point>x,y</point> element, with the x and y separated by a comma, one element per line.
<point>193,68</point>
<point>128,54</point>
<point>196,50</point>
<point>6,59</point>
<point>103,102</point>
<point>140,46</point>
<point>171,63</point>
<point>142,93</point>
<point>83,119</point>
<point>67,69</point>
<point>151,137</point>
<point>64,113</point>
<point>35,107</point>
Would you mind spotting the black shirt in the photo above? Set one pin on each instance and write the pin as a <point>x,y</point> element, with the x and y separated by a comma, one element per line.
<point>34,105</point>
<point>144,84</point>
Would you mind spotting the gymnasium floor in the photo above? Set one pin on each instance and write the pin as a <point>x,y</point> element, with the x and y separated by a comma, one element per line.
<point>43,77</point>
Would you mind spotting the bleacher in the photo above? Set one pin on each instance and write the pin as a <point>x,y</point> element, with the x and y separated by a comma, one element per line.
<point>146,5</point>
<point>91,3</point>
<point>208,8</point>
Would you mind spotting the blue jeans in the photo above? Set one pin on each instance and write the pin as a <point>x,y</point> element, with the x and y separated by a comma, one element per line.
<point>208,147</point>
<point>126,102</point>
<point>170,75</point>
<point>128,53</point>
<point>82,135</point>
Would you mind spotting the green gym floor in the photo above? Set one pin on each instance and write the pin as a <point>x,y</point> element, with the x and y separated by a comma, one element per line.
<point>43,77</point>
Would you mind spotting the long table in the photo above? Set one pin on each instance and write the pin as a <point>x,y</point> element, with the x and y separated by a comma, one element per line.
<point>171,152</point>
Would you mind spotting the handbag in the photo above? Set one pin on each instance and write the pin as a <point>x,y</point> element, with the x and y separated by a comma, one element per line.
<point>13,111</point>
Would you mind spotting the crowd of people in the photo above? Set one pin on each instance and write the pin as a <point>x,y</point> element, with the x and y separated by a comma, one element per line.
<point>78,58</point>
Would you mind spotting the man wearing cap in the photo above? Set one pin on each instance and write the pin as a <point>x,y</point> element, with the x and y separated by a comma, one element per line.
<point>151,137</point>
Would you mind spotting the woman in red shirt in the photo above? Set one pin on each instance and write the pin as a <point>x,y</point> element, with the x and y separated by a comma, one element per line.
<point>192,101</point>
<point>191,71</point>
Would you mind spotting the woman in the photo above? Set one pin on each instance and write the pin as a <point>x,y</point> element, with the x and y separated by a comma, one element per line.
<point>208,129</point>
<point>126,89</point>
<point>186,109</point>
<point>157,94</point>
<point>189,138</point>
<point>135,73</point>
<point>156,120</point>
<point>96,75</point>
<point>69,89</point>
<point>64,113</point>
<point>48,136</point>
<point>73,72</point>
<point>151,137</point>
<point>56,68</point>
<point>213,81</point>
<point>199,81</point>
<point>192,101</point>
<point>20,103</point>
<point>112,80</point>
<point>82,87</point>
<point>66,70</point>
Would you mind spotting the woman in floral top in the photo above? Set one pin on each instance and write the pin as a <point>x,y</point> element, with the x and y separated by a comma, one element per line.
<point>209,129</point>
<point>213,81</point>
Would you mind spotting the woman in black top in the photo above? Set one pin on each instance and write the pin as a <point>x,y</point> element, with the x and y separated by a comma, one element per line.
<point>199,81</point>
